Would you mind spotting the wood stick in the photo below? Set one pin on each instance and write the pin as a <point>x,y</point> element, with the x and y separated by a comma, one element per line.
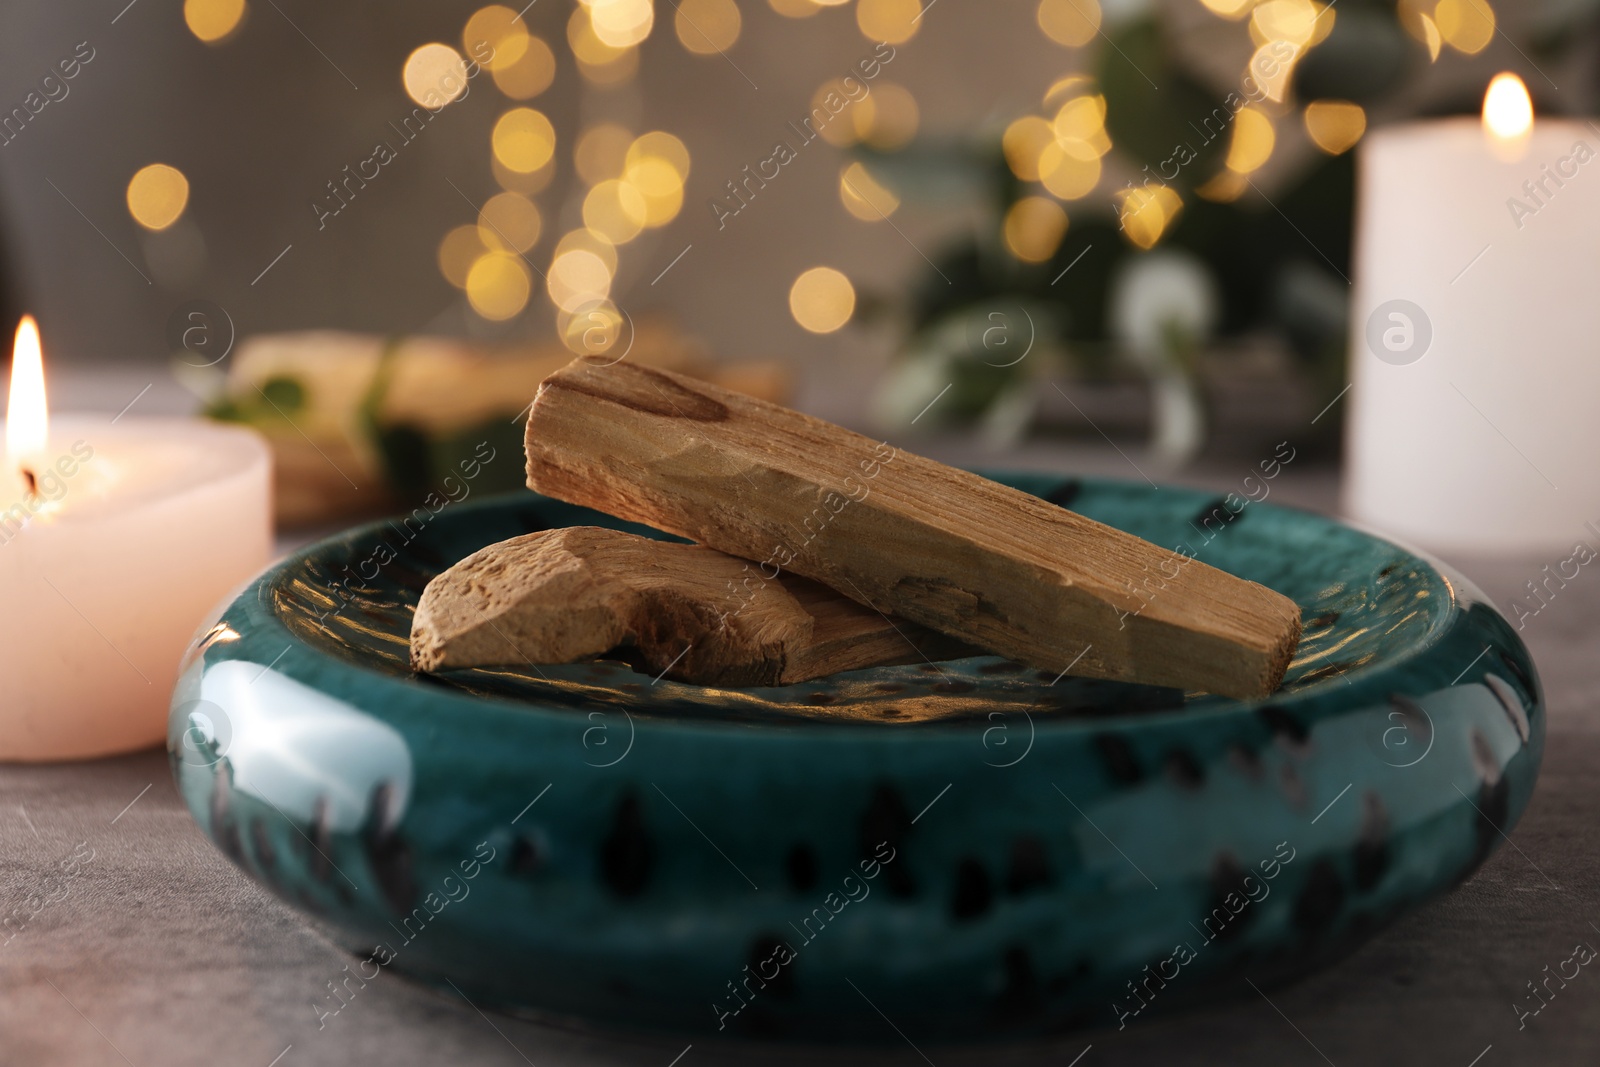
<point>691,613</point>
<point>960,554</point>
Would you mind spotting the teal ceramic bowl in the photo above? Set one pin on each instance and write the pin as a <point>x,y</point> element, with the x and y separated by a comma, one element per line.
<point>957,851</point>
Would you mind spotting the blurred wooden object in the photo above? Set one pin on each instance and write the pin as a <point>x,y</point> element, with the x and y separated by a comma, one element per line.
<point>329,463</point>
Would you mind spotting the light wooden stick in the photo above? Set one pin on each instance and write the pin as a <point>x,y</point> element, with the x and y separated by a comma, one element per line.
<point>693,614</point>
<point>960,554</point>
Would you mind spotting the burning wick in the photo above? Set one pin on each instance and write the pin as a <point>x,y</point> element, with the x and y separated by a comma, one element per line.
<point>33,482</point>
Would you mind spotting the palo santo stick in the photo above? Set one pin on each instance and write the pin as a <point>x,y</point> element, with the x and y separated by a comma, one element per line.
<point>571,594</point>
<point>960,554</point>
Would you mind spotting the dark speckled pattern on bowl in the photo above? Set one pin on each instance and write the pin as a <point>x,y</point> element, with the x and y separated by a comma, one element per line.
<point>582,842</point>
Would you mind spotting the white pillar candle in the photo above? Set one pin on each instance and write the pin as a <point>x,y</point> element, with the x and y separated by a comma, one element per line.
<point>1471,421</point>
<point>134,530</point>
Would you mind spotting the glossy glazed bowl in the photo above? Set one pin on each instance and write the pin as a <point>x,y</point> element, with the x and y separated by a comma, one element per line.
<point>960,850</point>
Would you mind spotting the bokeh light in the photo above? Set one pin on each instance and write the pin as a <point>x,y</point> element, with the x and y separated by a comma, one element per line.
<point>509,221</point>
<point>1335,125</point>
<point>458,251</point>
<point>822,300</point>
<point>213,20</point>
<point>1033,228</point>
<point>1073,23</point>
<point>498,285</point>
<point>578,278</point>
<point>1466,25</point>
<point>658,144</point>
<point>621,23</point>
<point>796,9</point>
<point>1301,23</point>
<point>616,210</point>
<point>1147,212</point>
<point>434,75</point>
<point>1024,142</point>
<point>523,140</point>
<point>602,152</point>
<point>833,102</point>
<point>593,330</point>
<point>502,31</point>
<point>887,118</point>
<point>1064,174</point>
<point>157,195</point>
<point>891,21</point>
<point>530,75</point>
<point>662,187</point>
<point>864,196</point>
<point>1252,141</point>
<point>706,27</point>
<point>1080,127</point>
<point>1229,9</point>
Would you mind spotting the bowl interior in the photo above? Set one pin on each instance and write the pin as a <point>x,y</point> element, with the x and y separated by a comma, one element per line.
<point>1366,604</point>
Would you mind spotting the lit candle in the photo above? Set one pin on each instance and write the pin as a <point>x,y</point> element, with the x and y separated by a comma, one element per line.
<point>1473,325</point>
<point>116,538</point>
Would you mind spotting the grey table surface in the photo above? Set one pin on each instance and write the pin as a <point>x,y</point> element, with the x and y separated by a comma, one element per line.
<point>162,952</point>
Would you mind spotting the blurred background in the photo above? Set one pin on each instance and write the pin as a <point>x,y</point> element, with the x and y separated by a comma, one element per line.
<point>1123,222</point>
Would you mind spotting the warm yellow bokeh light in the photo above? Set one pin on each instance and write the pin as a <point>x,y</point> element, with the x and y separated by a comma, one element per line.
<point>1069,85</point>
<point>622,23</point>
<point>587,47</point>
<point>1065,175</point>
<point>1431,37</point>
<point>887,118</point>
<point>1466,25</point>
<point>434,75</point>
<point>1335,125</point>
<point>1270,71</point>
<point>157,195</point>
<point>1024,142</point>
<point>660,184</point>
<point>890,21</point>
<point>1069,22</point>
<point>831,100</point>
<point>587,241</point>
<point>1033,228</point>
<point>212,20</point>
<point>578,279</point>
<point>658,144</point>
<point>864,196</point>
<point>795,9</point>
<point>602,152</point>
<point>498,32</point>
<point>530,75</point>
<point>1223,187</point>
<point>498,286</point>
<point>615,210</point>
<point>1252,142</point>
<point>1147,213</point>
<point>458,251</point>
<point>509,221</point>
<point>593,330</point>
<point>1299,22</point>
<point>822,300</point>
<point>1080,127</point>
<point>523,140</point>
<point>1229,9</point>
<point>707,27</point>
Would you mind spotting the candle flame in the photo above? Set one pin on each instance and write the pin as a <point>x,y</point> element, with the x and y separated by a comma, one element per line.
<point>27,414</point>
<point>1507,110</point>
